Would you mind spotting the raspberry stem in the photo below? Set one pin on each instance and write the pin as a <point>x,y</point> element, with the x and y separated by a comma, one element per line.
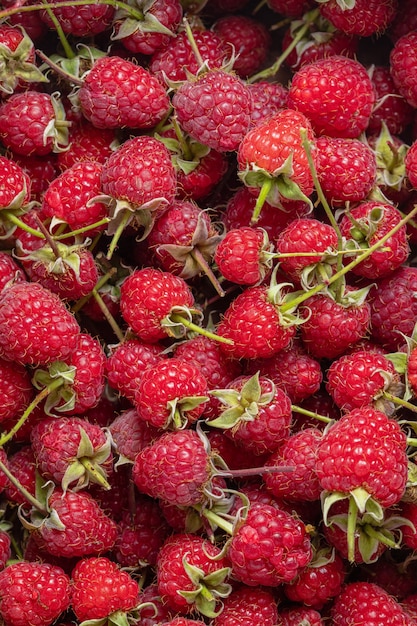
<point>399,401</point>
<point>261,199</point>
<point>352,517</point>
<point>11,217</point>
<point>199,258</point>
<point>109,317</point>
<point>307,413</point>
<point>134,13</point>
<point>179,319</point>
<point>25,493</point>
<point>84,229</point>
<point>347,268</point>
<point>61,35</point>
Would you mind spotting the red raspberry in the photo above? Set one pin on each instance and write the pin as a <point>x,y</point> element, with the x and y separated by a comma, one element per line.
<point>394,308</point>
<point>251,605</point>
<point>364,18</point>
<point>87,143</point>
<point>62,444</point>
<point>117,93</point>
<point>390,107</point>
<point>250,39</point>
<point>370,603</point>
<point>346,169</point>
<point>353,449</point>
<point>403,64</point>
<point>22,464</point>
<point>335,94</point>
<point>18,61</point>
<point>33,122</point>
<point>157,612</point>
<point>15,189</point>
<point>215,109</point>
<point>69,197</point>
<point>131,434</point>
<point>171,394</point>
<point>404,21</point>
<point>357,380</point>
<point>307,235</point>
<point>298,451</point>
<point>298,615</point>
<point>292,369</point>
<point>184,565</point>
<point>260,552</point>
<point>141,534</point>
<point>84,21</point>
<point>136,35</point>
<point>100,588</point>
<point>411,164</point>
<point>290,8</point>
<point>369,222</point>
<point>35,593</point>
<point>320,582</point>
<point>244,254</point>
<point>147,298</point>
<point>272,154</point>
<point>127,363</point>
<point>177,59</point>
<point>86,529</point>
<point>36,328</point>
<point>408,510</point>
<point>253,322</point>
<point>332,327</point>
<point>175,468</point>
<point>10,271</point>
<point>16,390</point>
<point>267,99</point>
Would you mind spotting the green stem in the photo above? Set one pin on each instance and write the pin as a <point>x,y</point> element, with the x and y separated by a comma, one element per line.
<point>84,229</point>
<point>11,217</point>
<point>261,199</point>
<point>351,528</point>
<point>92,471</point>
<point>273,69</point>
<point>41,396</point>
<point>376,534</point>
<point>176,317</point>
<point>347,268</point>
<point>134,13</point>
<point>25,493</point>
<point>62,38</point>
<point>400,401</point>
<point>317,416</point>
<point>127,215</point>
<point>329,213</point>
<point>192,42</point>
<point>103,280</point>
<point>216,520</point>
<point>185,148</point>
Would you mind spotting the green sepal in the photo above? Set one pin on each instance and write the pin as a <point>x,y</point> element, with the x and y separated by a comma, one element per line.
<point>15,65</point>
<point>69,257</point>
<point>345,5</point>
<point>390,160</point>
<point>57,129</point>
<point>42,515</point>
<point>86,467</point>
<point>178,409</point>
<point>177,329</point>
<point>61,398</point>
<point>209,588</point>
<point>117,618</point>
<point>129,26</point>
<point>399,360</point>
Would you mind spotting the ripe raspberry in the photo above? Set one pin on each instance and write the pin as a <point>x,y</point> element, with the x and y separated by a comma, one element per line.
<point>131,434</point>
<point>369,222</point>
<point>291,369</point>
<point>171,394</point>
<point>148,297</point>
<point>69,197</point>
<point>84,21</point>
<point>319,582</point>
<point>35,326</point>
<point>369,603</point>
<point>10,271</point>
<point>364,18</point>
<point>272,154</point>
<point>157,612</point>
<point>332,327</point>
<point>118,93</point>
<point>353,449</point>
<point>298,615</point>
<point>15,186</point>
<point>175,468</point>
<point>185,574</point>
<point>100,588</point>
<point>22,464</point>
<point>254,324</point>
<point>267,99</point>
<point>139,37</point>
<point>85,528</point>
<point>359,379</point>
<point>255,413</point>
<point>33,122</point>
<point>394,308</point>
<point>33,593</point>
<point>403,63</point>
<point>298,451</point>
<point>244,254</point>
<point>87,143</point>
<point>335,94</point>
<point>259,552</point>
<point>390,107</point>
<point>250,39</point>
<point>127,362</point>
<point>248,605</point>
<point>71,451</point>
<point>215,109</point>
<point>346,169</point>
<point>307,235</point>
<point>290,8</point>
<point>177,59</point>
<point>16,390</point>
